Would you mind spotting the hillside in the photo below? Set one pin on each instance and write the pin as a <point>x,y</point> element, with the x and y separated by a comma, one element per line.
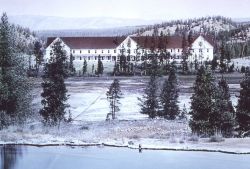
<point>200,25</point>
<point>24,39</point>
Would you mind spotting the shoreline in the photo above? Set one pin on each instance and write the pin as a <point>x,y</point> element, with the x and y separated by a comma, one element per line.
<point>129,147</point>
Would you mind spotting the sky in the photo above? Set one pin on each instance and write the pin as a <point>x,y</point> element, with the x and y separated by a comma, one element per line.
<point>136,9</point>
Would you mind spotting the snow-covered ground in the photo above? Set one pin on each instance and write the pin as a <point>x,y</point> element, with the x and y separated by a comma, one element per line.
<point>150,134</point>
<point>88,100</point>
<point>89,107</point>
<point>239,62</point>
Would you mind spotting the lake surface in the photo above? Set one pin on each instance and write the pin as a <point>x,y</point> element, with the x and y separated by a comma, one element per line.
<point>62,157</point>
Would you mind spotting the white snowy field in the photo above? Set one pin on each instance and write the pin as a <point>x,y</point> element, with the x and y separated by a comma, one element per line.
<point>239,62</point>
<point>89,107</point>
<point>88,100</point>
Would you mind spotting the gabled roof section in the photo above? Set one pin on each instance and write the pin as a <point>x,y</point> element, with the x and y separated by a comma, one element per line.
<point>209,39</point>
<point>89,42</point>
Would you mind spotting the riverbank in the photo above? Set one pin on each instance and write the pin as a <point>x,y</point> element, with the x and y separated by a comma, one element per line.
<point>150,134</point>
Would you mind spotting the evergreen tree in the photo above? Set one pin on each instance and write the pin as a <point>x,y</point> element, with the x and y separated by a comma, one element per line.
<point>93,69</point>
<point>149,102</point>
<point>222,64</point>
<point>183,114</point>
<point>169,97</point>
<point>113,95</point>
<point>243,107</point>
<point>39,55</point>
<point>153,68</point>
<point>185,54</point>
<point>116,69</point>
<point>71,67</point>
<point>54,89</point>
<point>84,67</point>
<point>201,102</point>
<point>15,97</point>
<point>99,67</point>
<point>222,117</point>
<point>214,63</point>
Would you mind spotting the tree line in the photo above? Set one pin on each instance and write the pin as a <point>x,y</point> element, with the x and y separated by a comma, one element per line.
<point>211,108</point>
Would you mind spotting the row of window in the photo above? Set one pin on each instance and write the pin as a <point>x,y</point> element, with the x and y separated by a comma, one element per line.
<point>121,51</point>
<point>96,58</point>
<point>102,51</point>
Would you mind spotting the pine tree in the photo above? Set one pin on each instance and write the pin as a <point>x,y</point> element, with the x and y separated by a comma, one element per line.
<point>243,107</point>
<point>222,117</point>
<point>185,54</point>
<point>84,67</point>
<point>15,96</point>
<point>93,69</point>
<point>149,102</point>
<point>71,67</point>
<point>99,67</point>
<point>201,102</point>
<point>39,55</point>
<point>214,63</point>
<point>113,95</point>
<point>222,58</point>
<point>54,89</point>
<point>169,96</point>
<point>183,114</point>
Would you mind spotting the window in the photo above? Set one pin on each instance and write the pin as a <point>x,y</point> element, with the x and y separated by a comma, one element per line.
<point>95,57</point>
<point>102,57</point>
<point>102,51</point>
<point>171,50</point>
<point>80,58</point>
<point>88,58</point>
<point>88,51</point>
<point>207,50</point>
<point>95,51</point>
<point>73,51</point>
<point>108,57</point>
<point>114,51</point>
<point>108,51</point>
<point>80,51</point>
<point>178,50</point>
<point>200,50</point>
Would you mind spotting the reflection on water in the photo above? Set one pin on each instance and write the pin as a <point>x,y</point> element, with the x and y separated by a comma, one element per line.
<point>63,157</point>
<point>9,156</point>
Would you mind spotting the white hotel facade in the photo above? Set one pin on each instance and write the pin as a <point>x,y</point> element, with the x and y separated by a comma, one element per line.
<point>109,49</point>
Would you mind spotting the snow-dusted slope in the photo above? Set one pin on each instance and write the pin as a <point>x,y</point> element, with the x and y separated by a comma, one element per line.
<point>208,24</point>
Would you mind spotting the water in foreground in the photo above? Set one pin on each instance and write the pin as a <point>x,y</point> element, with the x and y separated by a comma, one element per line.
<point>62,157</point>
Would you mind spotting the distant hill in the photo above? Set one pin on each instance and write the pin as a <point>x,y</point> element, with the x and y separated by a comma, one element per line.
<point>199,25</point>
<point>41,23</point>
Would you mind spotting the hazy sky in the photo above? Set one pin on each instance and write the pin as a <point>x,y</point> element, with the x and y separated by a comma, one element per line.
<point>142,9</point>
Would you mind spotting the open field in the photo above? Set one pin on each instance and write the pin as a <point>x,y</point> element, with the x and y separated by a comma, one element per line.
<point>88,100</point>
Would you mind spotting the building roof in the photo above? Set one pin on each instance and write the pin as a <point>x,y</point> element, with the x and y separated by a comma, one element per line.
<point>167,42</point>
<point>148,42</point>
<point>89,42</point>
